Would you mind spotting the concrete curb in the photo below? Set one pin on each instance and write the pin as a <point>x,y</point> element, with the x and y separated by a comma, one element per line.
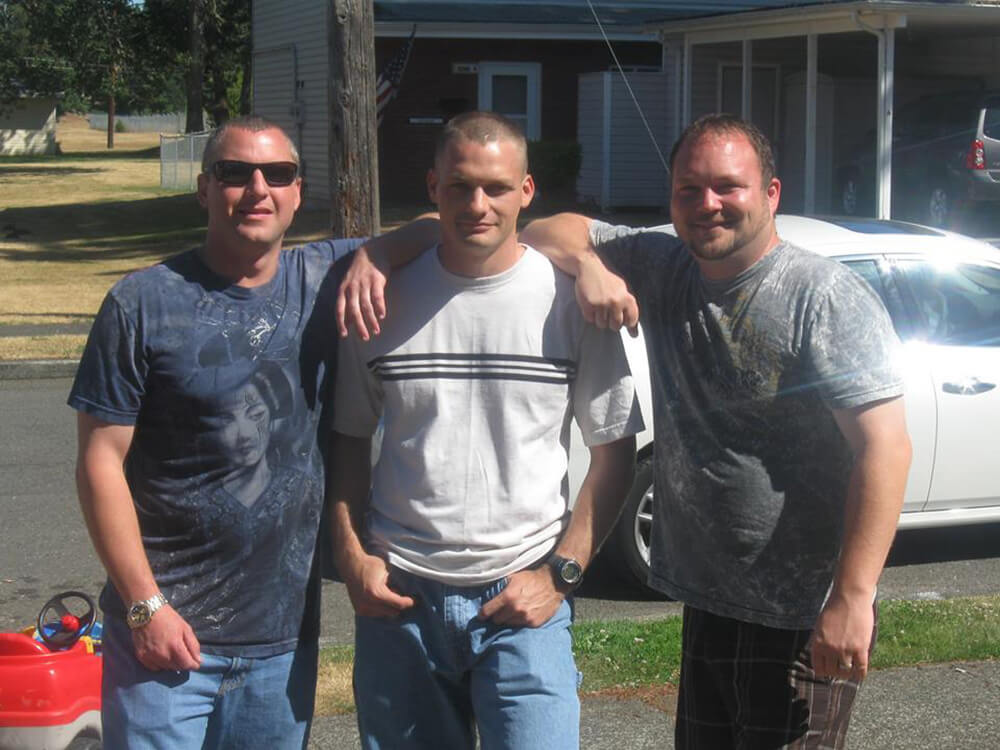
<point>30,369</point>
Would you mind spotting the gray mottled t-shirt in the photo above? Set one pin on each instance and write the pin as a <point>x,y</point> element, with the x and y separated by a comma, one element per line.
<point>751,469</point>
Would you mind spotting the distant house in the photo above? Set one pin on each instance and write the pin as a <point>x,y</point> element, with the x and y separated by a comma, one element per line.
<point>816,75</point>
<point>28,126</point>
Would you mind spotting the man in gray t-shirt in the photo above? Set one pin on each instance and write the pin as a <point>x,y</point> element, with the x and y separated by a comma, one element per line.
<point>781,446</point>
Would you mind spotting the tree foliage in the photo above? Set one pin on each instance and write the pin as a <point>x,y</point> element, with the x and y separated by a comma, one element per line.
<point>144,54</point>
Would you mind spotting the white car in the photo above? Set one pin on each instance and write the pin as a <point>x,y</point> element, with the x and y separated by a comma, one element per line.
<point>942,291</point>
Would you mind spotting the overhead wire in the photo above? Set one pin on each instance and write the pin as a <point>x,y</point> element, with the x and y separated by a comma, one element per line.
<point>628,86</point>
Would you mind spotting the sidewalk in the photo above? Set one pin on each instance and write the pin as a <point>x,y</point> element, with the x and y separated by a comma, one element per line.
<point>933,707</point>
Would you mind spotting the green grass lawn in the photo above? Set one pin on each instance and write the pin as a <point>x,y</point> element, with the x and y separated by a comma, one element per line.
<point>630,657</point>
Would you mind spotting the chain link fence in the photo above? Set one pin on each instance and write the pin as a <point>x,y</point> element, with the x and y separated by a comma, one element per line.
<point>170,122</point>
<point>180,159</point>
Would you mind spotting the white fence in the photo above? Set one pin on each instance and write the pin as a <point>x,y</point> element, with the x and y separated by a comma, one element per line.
<point>180,160</point>
<point>171,122</point>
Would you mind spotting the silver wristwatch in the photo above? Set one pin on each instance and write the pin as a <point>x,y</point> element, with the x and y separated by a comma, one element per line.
<point>140,613</point>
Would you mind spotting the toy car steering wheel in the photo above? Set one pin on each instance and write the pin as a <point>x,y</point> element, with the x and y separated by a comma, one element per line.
<point>59,625</point>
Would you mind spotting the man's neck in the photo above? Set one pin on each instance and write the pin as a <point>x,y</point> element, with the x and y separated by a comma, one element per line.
<point>728,268</point>
<point>248,266</point>
<point>479,264</point>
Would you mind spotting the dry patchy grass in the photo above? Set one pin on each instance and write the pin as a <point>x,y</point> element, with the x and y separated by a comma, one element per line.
<point>72,224</point>
<point>334,693</point>
<point>59,346</point>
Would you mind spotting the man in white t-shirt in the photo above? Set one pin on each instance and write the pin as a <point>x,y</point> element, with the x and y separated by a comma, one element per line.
<point>461,559</point>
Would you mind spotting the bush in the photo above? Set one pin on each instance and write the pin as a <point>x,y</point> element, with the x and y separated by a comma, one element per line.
<point>120,126</point>
<point>555,165</point>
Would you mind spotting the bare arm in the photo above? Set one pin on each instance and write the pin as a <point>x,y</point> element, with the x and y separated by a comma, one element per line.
<point>532,596</point>
<point>361,298</point>
<point>366,576</point>
<point>167,642</point>
<point>877,435</point>
<point>603,296</point>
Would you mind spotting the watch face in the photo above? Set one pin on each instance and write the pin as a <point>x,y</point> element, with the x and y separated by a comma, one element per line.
<point>138,614</point>
<point>570,571</point>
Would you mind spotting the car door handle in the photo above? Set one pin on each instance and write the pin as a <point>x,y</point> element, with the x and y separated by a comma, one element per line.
<point>967,387</point>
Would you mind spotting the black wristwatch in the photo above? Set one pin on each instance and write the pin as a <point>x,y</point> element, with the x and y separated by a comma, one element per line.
<point>567,570</point>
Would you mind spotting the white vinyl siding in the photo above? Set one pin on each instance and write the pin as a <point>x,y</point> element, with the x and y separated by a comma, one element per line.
<point>28,127</point>
<point>620,164</point>
<point>290,34</point>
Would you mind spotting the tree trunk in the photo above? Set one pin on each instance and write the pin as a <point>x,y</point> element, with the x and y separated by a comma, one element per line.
<point>196,69</point>
<point>354,204</point>
<point>218,108</point>
<point>246,90</point>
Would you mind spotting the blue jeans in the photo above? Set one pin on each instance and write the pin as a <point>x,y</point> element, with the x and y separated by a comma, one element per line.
<point>430,677</point>
<point>231,702</point>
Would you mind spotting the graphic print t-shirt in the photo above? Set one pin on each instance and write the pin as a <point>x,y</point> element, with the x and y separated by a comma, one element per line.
<point>225,387</point>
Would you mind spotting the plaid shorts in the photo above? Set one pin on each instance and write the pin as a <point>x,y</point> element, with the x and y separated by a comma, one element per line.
<point>751,687</point>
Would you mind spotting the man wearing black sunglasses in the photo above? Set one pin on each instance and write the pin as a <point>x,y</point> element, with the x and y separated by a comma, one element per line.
<point>200,397</point>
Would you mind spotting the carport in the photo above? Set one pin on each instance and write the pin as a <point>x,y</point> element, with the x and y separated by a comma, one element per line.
<point>883,50</point>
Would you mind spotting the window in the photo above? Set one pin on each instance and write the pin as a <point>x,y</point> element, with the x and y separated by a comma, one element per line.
<point>763,95</point>
<point>957,304</point>
<point>513,90</point>
<point>991,119</point>
<point>875,273</point>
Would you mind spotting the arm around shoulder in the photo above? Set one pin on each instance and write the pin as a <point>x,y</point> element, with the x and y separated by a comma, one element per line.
<point>361,298</point>
<point>563,238</point>
<point>603,296</point>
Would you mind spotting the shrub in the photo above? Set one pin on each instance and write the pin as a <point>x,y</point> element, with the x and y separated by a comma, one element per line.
<point>555,165</point>
<point>120,126</point>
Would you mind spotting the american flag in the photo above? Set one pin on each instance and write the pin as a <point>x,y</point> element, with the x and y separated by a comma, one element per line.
<point>387,85</point>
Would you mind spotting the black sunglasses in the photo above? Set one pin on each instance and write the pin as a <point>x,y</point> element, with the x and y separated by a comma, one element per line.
<point>239,173</point>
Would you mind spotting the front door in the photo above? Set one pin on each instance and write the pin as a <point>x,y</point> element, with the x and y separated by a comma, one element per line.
<point>513,89</point>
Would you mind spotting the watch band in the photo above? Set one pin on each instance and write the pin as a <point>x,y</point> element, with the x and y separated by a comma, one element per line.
<point>141,612</point>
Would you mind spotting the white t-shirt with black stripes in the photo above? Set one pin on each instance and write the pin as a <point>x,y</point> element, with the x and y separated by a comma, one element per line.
<point>476,381</point>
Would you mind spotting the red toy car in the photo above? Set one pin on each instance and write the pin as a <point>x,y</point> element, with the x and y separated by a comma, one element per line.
<point>50,679</point>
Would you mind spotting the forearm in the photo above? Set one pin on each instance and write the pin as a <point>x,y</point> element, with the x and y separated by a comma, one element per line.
<point>111,520</point>
<point>349,480</point>
<point>599,501</point>
<point>400,246</point>
<point>874,502</point>
<point>564,239</point>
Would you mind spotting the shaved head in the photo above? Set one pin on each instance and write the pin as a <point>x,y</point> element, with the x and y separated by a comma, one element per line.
<point>482,128</point>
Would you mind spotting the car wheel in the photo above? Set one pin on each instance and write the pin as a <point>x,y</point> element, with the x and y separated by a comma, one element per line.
<point>938,206</point>
<point>849,196</point>
<point>628,546</point>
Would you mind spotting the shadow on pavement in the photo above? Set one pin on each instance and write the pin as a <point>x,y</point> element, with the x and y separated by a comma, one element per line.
<point>915,546</point>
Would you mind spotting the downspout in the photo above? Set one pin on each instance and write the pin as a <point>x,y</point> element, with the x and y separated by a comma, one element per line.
<point>886,64</point>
